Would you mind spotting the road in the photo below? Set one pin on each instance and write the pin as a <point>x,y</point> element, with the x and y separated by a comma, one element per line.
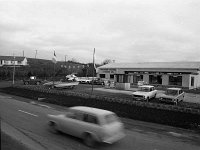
<point>27,122</point>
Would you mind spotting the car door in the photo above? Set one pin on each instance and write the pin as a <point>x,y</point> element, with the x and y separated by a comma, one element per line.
<point>152,92</point>
<point>181,95</point>
<point>70,124</point>
<point>92,125</point>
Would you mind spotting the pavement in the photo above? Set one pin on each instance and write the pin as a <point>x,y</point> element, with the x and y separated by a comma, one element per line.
<point>19,136</point>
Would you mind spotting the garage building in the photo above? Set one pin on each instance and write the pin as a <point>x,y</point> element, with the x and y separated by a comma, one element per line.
<point>178,74</point>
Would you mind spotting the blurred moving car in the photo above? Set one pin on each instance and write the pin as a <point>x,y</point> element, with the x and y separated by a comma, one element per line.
<point>172,95</point>
<point>91,124</point>
<point>145,92</point>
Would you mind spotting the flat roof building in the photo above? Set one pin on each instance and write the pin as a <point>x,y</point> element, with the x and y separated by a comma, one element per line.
<point>179,74</point>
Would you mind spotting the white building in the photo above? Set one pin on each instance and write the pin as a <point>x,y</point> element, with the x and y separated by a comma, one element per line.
<point>10,61</point>
<point>180,74</point>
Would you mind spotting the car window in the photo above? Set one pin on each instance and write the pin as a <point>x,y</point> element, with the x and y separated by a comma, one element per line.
<point>111,118</point>
<point>89,118</point>
<point>144,89</point>
<point>71,115</point>
<point>171,92</point>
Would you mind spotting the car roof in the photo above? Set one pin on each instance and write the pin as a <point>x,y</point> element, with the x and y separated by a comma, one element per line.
<point>91,110</point>
<point>174,88</point>
<point>149,86</point>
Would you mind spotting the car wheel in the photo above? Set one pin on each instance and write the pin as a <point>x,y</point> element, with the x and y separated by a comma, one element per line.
<point>37,83</point>
<point>89,140</point>
<point>52,127</point>
<point>147,99</point>
<point>26,83</point>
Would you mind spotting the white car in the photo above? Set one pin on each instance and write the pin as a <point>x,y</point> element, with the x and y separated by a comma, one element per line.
<point>145,92</point>
<point>84,81</point>
<point>173,95</point>
<point>90,124</point>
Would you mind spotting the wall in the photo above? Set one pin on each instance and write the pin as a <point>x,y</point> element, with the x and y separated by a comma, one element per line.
<point>198,79</point>
<point>186,80</point>
<point>165,79</point>
<point>146,78</point>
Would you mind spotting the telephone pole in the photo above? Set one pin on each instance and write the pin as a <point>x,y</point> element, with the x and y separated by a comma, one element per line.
<point>35,54</point>
<point>13,70</point>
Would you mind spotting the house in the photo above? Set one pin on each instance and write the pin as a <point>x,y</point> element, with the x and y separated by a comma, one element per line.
<point>11,60</point>
<point>178,74</point>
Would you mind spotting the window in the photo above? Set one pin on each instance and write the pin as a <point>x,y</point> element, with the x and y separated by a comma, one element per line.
<point>155,79</point>
<point>90,119</point>
<point>175,80</point>
<point>111,118</point>
<point>192,81</point>
<point>137,78</point>
<point>112,76</point>
<point>120,78</point>
<point>102,75</point>
<point>71,115</point>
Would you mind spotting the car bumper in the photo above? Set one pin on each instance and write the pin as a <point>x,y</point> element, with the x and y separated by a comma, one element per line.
<point>114,138</point>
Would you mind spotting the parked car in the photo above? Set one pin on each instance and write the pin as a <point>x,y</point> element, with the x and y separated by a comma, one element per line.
<point>98,81</point>
<point>84,80</point>
<point>91,124</point>
<point>145,92</point>
<point>32,80</point>
<point>172,95</point>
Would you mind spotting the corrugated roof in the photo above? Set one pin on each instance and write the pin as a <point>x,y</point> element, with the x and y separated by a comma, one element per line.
<point>17,58</point>
<point>147,65</point>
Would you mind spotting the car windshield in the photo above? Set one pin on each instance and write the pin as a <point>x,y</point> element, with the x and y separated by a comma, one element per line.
<point>144,89</point>
<point>171,92</point>
<point>111,118</point>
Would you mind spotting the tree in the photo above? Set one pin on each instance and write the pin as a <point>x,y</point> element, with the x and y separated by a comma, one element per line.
<point>106,61</point>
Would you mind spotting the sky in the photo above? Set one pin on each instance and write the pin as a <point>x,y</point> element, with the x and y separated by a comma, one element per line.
<point>126,31</point>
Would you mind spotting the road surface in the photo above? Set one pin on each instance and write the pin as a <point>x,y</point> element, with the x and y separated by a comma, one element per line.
<point>26,121</point>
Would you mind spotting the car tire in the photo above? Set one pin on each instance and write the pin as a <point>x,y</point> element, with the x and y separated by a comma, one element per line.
<point>89,140</point>
<point>37,83</point>
<point>26,83</point>
<point>147,99</point>
<point>52,127</point>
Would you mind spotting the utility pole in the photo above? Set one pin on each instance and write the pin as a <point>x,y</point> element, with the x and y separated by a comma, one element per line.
<point>23,53</point>
<point>13,70</point>
<point>93,71</point>
<point>35,54</point>
<point>65,59</point>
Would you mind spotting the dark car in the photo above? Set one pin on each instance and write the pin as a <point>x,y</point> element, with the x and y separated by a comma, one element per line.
<point>98,81</point>
<point>32,80</point>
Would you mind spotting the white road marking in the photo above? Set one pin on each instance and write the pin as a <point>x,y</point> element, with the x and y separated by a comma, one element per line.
<point>28,113</point>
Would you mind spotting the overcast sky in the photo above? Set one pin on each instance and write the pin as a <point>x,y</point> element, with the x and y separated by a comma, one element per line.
<point>120,30</point>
